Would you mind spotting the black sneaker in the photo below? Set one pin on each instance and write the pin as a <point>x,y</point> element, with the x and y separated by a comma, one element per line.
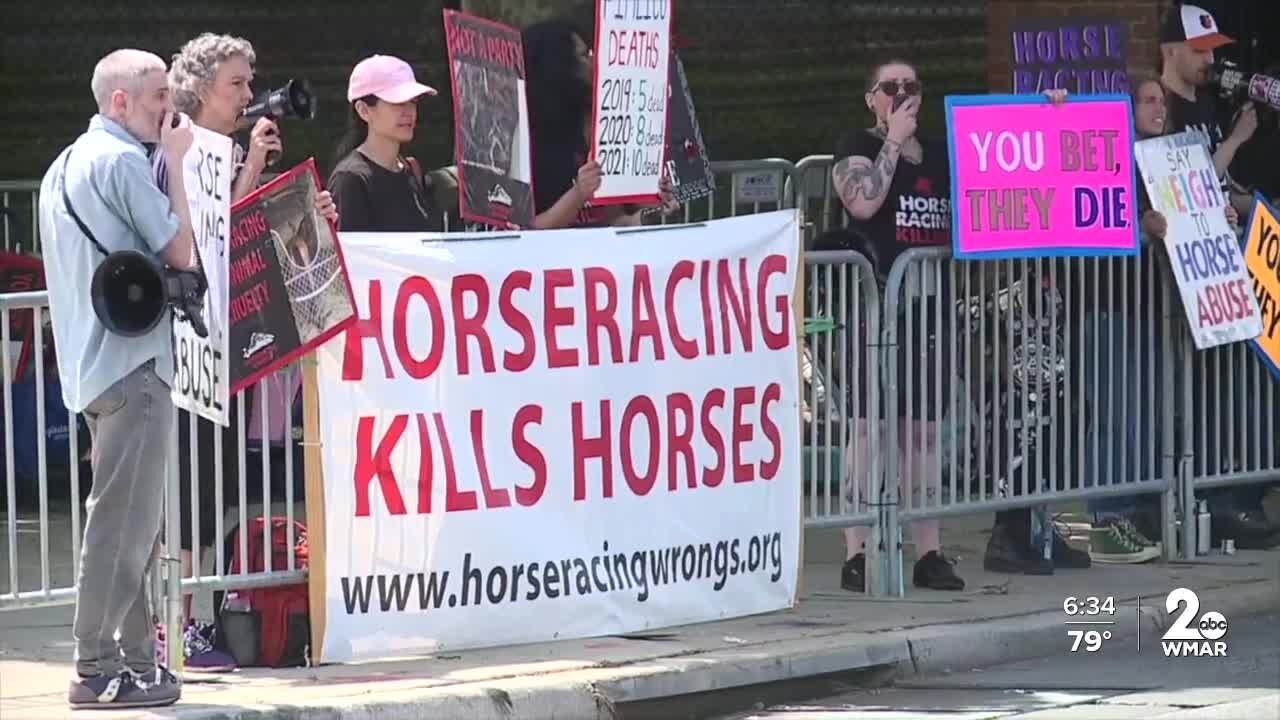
<point>853,576</point>
<point>123,690</point>
<point>1250,530</point>
<point>1065,556</point>
<point>1149,525</point>
<point>1008,553</point>
<point>935,571</point>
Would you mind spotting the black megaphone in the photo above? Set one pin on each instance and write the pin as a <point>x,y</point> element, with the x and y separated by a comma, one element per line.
<point>295,99</point>
<point>131,291</point>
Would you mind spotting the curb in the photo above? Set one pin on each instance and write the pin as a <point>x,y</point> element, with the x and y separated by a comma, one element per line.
<point>594,693</point>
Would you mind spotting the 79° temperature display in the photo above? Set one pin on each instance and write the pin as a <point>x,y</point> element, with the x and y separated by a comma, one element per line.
<point>1089,621</point>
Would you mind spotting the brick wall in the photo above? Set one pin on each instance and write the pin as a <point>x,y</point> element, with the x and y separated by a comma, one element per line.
<point>1143,17</point>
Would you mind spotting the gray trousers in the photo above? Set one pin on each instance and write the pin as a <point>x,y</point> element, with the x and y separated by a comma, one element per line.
<point>129,426</point>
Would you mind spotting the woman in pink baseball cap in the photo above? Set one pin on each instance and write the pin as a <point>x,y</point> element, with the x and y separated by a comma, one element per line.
<point>376,188</point>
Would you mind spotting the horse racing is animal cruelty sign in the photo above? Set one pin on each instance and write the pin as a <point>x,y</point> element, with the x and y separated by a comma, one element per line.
<point>289,290</point>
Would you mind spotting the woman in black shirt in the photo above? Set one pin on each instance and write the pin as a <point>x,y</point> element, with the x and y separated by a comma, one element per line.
<point>895,193</point>
<point>375,187</point>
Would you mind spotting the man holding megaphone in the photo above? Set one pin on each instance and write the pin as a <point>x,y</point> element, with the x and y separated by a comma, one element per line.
<point>99,199</point>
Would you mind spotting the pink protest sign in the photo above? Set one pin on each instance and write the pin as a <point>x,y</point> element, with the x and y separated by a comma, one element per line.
<point>1030,179</point>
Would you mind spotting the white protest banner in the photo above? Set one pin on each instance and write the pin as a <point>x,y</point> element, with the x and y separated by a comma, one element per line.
<point>560,434</point>
<point>629,113</point>
<point>1203,250</point>
<point>201,365</point>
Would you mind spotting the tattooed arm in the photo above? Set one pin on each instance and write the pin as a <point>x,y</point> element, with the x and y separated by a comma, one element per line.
<point>863,183</point>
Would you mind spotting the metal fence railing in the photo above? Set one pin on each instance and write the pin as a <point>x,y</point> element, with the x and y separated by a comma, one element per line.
<point>19,213</point>
<point>1003,384</point>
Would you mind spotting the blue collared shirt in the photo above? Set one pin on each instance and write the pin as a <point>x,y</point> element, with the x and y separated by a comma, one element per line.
<point>109,181</point>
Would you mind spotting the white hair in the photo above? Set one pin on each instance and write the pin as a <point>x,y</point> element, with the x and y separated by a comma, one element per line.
<point>122,70</point>
<point>196,65</point>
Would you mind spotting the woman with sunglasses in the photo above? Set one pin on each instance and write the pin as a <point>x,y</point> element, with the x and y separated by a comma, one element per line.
<point>894,191</point>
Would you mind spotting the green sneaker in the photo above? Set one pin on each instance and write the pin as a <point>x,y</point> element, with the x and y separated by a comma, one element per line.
<point>1111,544</point>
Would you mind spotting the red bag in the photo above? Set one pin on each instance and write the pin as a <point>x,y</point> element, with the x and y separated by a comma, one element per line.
<point>284,611</point>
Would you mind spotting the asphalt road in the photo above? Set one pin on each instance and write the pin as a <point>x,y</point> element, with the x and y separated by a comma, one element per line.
<point>1113,683</point>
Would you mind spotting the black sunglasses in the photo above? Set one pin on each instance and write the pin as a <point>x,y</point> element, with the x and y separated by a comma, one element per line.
<point>893,87</point>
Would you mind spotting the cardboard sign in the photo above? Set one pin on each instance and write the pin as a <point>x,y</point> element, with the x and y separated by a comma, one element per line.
<point>491,121</point>
<point>1031,179</point>
<point>289,290</point>
<point>609,405</point>
<point>629,112</point>
<point>1084,56</point>
<point>1262,258</point>
<point>1203,251</point>
<point>688,164</point>
<point>201,377</point>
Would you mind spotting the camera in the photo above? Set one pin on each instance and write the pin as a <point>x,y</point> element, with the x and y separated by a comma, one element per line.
<point>130,292</point>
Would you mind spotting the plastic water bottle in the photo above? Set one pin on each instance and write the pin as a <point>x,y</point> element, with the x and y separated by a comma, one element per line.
<point>1203,528</point>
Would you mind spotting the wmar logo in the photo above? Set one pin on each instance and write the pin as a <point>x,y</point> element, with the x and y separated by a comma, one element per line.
<point>1189,637</point>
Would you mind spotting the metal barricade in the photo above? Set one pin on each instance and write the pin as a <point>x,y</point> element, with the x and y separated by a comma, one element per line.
<point>742,187</point>
<point>45,487</point>
<point>840,380</point>
<point>1230,425</point>
<point>19,211</point>
<point>42,533</point>
<point>810,186</point>
<point>1016,383</point>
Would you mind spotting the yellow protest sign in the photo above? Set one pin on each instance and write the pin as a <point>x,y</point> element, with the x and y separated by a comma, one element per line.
<point>1262,258</point>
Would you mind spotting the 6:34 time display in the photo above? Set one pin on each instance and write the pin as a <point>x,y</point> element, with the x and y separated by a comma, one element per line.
<point>1089,605</point>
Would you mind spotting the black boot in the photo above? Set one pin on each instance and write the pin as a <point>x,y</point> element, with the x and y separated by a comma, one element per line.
<point>1009,551</point>
<point>1065,556</point>
<point>853,576</point>
<point>935,571</point>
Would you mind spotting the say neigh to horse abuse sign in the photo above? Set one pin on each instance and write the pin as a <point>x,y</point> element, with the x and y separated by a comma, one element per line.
<point>201,373</point>
<point>289,290</point>
<point>1262,258</point>
<point>1203,251</point>
<point>522,445</point>
<point>1031,179</point>
<point>629,126</point>
<point>491,121</point>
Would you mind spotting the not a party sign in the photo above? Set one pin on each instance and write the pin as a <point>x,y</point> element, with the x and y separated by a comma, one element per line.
<point>1034,179</point>
<point>1203,251</point>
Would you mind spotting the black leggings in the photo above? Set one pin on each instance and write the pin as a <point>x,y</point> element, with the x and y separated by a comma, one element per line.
<point>206,482</point>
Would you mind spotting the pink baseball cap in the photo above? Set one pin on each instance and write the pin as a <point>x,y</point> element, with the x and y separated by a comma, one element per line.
<point>386,77</point>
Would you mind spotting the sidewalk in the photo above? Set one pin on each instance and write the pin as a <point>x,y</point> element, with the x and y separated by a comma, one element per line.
<point>997,618</point>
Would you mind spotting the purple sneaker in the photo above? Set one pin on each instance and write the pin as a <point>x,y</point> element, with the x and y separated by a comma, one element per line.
<point>201,655</point>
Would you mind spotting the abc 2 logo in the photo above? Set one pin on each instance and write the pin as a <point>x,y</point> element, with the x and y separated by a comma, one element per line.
<point>1192,634</point>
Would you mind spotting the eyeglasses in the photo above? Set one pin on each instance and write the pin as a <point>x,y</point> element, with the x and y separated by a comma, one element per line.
<point>893,87</point>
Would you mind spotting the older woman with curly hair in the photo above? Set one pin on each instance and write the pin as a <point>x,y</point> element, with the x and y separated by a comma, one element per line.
<point>210,80</point>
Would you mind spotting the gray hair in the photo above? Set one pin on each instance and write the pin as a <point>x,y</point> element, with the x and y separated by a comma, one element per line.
<point>196,65</point>
<point>122,70</point>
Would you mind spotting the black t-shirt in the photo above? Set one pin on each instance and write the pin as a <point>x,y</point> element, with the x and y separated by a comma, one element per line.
<point>1255,166</point>
<point>555,170</point>
<point>1201,115</point>
<point>371,198</point>
<point>917,210</point>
